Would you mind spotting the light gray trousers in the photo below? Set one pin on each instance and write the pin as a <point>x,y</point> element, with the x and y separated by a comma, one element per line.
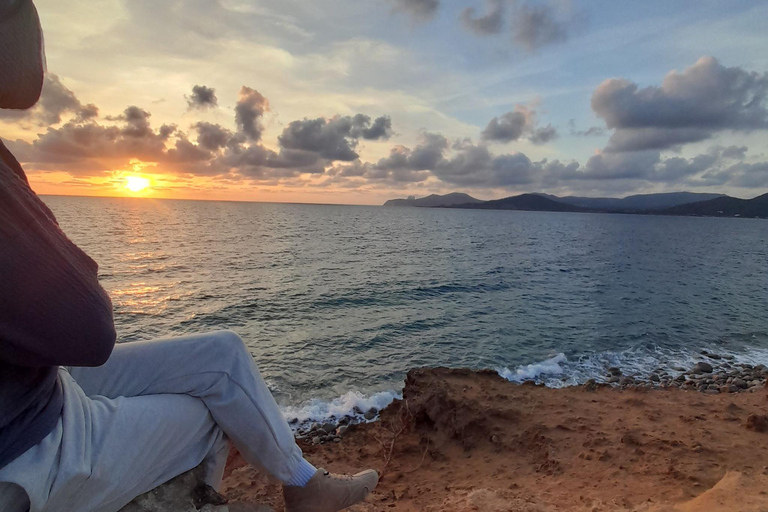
<point>155,410</point>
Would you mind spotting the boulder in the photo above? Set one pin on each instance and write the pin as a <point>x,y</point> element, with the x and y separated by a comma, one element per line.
<point>188,493</point>
<point>702,367</point>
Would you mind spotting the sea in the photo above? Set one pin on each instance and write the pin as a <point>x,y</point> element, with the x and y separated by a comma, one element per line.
<point>337,303</point>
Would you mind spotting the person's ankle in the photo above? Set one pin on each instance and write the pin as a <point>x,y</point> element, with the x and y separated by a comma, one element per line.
<point>302,474</point>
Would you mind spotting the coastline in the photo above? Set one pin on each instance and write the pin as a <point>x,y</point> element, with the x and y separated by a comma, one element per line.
<point>470,440</point>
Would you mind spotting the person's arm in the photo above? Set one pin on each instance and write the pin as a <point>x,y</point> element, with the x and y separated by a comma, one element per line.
<point>53,311</point>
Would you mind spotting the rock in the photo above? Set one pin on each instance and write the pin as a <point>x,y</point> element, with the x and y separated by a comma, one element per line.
<point>680,378</point>
<point>614,371</point>
<point>626,381</point>
<point>739,383</point>
<point>337,439</point>
<point>590,385</point>
<point>614,379</point>
<point>187,493</point>
<point>370,413</point>
<point>712,391</point>
<point>757,422</point>
<point>713,356</point>
<point>654,378</point>
<point>329,427</point>
<point>314,427</point>
<point>702,367</point>
<point>342,430</point>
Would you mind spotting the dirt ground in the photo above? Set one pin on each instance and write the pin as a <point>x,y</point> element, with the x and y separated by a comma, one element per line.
<point>472,441</point>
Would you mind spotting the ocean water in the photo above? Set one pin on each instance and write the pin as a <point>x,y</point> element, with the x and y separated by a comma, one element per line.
<point>336,303</point>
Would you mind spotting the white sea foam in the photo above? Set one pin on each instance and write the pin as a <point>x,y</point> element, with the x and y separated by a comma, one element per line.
<point>557,371</point>
<point>533,371</point>
<point>349,404</point>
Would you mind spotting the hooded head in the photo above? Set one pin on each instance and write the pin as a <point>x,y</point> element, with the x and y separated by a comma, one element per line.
<point>22,59</point>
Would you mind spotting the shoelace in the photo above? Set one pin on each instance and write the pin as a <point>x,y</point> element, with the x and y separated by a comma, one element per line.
<point>341,478</point>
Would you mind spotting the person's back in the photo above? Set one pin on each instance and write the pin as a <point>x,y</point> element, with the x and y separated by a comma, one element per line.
<point>52,312</point>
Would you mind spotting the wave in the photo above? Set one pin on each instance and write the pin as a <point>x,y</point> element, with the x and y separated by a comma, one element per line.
<point>560,370</point>
<point>352,405</point>
<point>556,371</point>
<point>532,371</point>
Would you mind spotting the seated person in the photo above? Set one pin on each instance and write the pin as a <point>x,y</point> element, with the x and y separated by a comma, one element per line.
<point>120,420</point>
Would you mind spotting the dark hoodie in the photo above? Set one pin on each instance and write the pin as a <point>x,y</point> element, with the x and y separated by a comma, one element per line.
<point>52,312</point>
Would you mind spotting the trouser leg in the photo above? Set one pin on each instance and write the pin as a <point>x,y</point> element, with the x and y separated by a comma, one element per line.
<point>216,368</point>
<point>104,452</point>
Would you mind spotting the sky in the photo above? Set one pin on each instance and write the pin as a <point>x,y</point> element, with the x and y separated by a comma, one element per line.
<point>357,102</point>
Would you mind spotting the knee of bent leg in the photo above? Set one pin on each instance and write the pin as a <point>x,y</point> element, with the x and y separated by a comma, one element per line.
<point>231,343</point>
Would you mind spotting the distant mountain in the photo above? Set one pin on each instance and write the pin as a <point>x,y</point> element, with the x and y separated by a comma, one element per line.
<point>724,207</point>
<point>435,201</point>
<point>527,202</point>
<point>636,202</point>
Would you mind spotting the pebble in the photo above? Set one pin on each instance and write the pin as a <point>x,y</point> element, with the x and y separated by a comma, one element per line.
<point>739,383</point>
<point>702,367</point>
<point>316,440</point>
<point>370,413</point>
<point>342,430</point>
<point>329,427</point>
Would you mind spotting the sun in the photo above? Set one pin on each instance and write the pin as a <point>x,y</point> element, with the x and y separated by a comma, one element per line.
<point>136,183</point>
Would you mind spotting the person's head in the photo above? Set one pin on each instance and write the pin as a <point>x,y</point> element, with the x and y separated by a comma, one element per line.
<point>22,60</point>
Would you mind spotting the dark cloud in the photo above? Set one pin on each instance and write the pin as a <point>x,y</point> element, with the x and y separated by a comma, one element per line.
<point>56,101</point>
<point>249,110</point>
<point>381,129</point>
<point>518,124</point>
<point>534,26</point>
<point>202,98</point>
<point>489,23</point>
<point>543,135</point>
<point>212,137</point>
<point>335,138</point>
<point>475,166</point>
<point>424,156</point>
<point>418,10</point>
<point>689,106</point>
<point>506,128</point>
<point>592,131</point>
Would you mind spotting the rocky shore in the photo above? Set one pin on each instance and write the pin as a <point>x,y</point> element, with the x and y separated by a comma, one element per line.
<point>682,439</point>
<point>717,374</point>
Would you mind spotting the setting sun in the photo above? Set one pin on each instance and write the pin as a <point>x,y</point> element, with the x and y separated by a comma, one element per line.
<point>136,183</point>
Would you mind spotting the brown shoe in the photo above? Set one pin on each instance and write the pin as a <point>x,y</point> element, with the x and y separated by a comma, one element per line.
<point>329,493</point>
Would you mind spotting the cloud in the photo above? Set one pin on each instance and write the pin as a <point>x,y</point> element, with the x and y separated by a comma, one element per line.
<point>592,131</point>
<point>249,110</point>
<point>56,101</point>
<point>418,10</point>
<point>534,26</point>
<point>213,137</point>
<point>202,98</point>
<point>335,138</point>
<point>85,146</point>
<point>489,23</point>
<point>475,166</point>
<point>689,106</point>
<point>520,123</point>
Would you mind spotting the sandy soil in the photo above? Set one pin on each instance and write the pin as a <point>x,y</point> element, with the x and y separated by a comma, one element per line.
<point>472,441</point>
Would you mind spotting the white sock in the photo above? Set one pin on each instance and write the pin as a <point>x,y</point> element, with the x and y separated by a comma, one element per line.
<point>302,474</point>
